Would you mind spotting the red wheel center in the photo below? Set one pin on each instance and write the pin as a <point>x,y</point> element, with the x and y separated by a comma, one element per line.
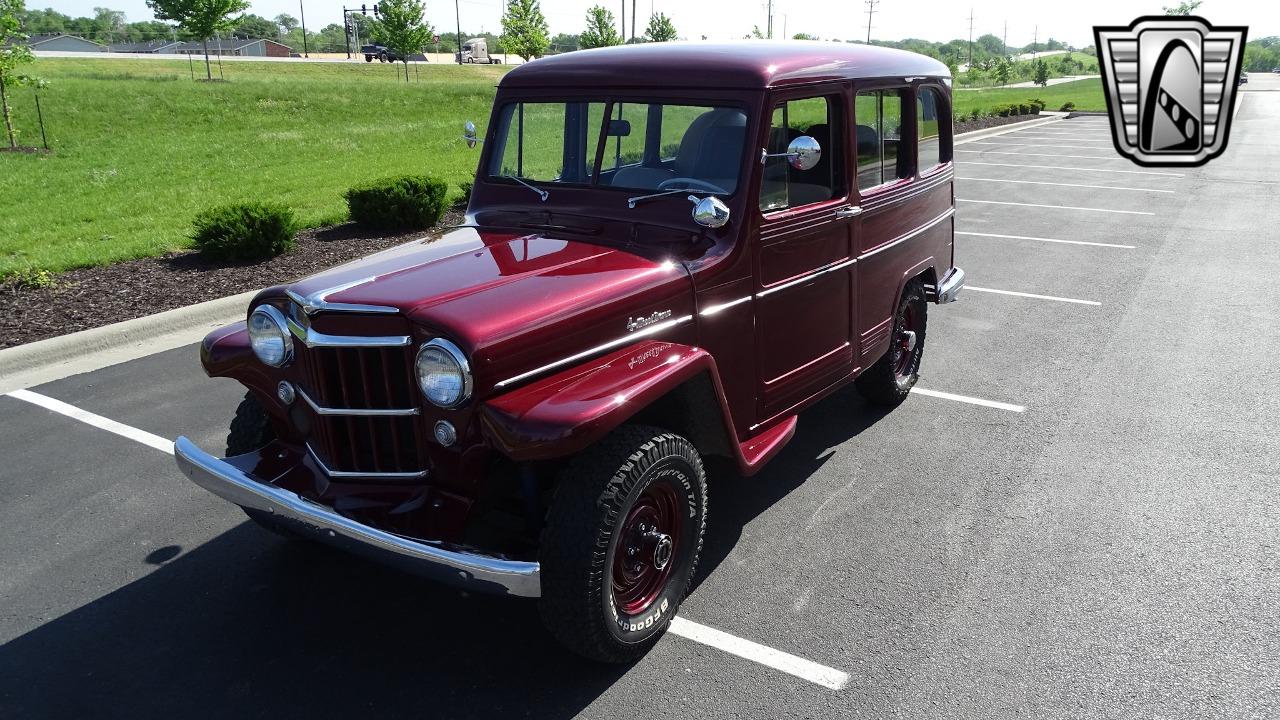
<point>904,343</point>
<point>647,542</point>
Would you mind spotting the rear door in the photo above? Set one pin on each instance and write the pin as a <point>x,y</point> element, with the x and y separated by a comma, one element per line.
<point>805,281</point>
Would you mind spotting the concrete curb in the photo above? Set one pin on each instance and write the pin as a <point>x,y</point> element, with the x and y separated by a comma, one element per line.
<point>972,135</point>
<point>88,350</point>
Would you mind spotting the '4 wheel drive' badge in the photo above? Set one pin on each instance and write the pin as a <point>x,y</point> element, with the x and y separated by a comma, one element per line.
<point>1170,84</point>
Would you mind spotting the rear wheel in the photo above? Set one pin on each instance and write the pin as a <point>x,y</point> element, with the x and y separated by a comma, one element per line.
<point>621,542</point>
<point>382,58</point>
<point>368,58</point>
<point>890,379</point>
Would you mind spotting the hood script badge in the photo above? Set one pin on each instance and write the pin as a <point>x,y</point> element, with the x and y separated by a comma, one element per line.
<point>644,321</point>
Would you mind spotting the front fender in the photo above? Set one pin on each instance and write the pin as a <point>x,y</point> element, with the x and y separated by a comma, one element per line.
<point>563,414</point>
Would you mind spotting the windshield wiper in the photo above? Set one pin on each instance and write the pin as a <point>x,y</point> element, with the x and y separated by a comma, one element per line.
<point>631,202</point>
<point>541,193</point>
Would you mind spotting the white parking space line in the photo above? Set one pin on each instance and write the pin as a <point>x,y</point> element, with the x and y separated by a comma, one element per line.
<point>970,400</point>
<point>1063,167</point>
<point>786,662</point>
<point>1056,207</point>
<point>1032,295</point>
<point>97,421</point>
<point>1027,154</point>
<point>1057,184</point>
<point>1060,136</point>
<point>1042,145</point>
<point>755,652</point>
<point>1048,240</point>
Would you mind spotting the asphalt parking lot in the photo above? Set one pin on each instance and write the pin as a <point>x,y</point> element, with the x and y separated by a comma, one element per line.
<point>1089,530</point>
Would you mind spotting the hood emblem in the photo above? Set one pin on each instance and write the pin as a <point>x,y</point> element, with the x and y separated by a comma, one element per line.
<point>644,321</point>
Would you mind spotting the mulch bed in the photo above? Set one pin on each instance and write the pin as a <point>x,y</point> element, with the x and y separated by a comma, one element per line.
<point>92,297</point>
<point>962,126</point>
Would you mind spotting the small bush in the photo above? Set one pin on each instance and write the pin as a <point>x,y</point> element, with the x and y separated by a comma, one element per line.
<point>1037,105</point>
<point>975,114</point>
<point>465,186</point>
<point>1067,107</point>
<point>409,202</point>
<point>30,278</point>
<point>245,231</point>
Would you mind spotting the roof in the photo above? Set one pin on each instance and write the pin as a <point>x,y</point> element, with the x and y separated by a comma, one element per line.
<point>227,45</point>
<point>46,37</point>
<point>141,47</point>
<point>749,64</point>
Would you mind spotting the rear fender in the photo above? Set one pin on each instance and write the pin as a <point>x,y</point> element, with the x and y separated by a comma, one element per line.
<point>563,414</point>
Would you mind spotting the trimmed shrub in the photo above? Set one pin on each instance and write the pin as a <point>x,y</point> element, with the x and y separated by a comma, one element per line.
<point>465,186</point>
<point>245,231</point>
<point>1037,105</point>
<point>1067,107</point>
<point>975,114</point>
<point>30,278</point>
<point>406,202</point>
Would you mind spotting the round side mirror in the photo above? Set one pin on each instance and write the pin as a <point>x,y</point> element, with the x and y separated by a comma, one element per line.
<point>469,134</point>
<point>710,212</point>
<point>804,153</point>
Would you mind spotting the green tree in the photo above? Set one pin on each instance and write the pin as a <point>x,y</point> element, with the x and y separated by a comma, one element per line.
<point>253,26</point>
<point>402,29</point>
<point>286,23</point>
<point>202,18</point>
<point>755,34</point>
<point>660,29</point>
<point>564,42</point>
<point>1042,73</point>
<point>1183,8</point>
<point>992,44</point>
<point>524,29</point>
<point>804,36</point>
<point>1002,71</point>
<point>14,53</point>
<point>600,31</point>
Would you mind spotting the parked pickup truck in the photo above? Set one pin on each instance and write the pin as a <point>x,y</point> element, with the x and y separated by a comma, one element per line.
<point>380,53</point>
<point>650,276</point>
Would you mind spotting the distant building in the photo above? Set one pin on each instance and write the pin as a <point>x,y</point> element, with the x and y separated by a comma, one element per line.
<point>64,43</point>
<point>231,47</point>
<point>149,47</point>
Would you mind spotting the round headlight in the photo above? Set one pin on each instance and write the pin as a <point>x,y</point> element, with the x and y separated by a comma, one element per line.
<point>443,373</point>
<point>269,336</point>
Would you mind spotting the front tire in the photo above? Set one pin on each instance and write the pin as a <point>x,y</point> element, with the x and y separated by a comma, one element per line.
<point>890,379</point>
<point>251,431</point>
<point>621,543</point>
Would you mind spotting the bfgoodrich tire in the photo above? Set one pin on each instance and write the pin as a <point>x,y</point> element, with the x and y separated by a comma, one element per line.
<point>251,430</point>
<point>890,379</point>
<point>621,542</point>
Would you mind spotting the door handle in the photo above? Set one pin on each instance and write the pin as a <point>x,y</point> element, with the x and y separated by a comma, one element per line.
<point>848,212</point>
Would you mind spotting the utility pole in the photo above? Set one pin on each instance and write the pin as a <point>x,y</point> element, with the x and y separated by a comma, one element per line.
<point>970,38</point>
<point>871,10</point>
<point>457,16</point>
<point>633,21</point>
<point>624,20</point>
<point>1035,40</point>
<point>1004,40</point>
<point>302,11</point>
<point>768,22</point>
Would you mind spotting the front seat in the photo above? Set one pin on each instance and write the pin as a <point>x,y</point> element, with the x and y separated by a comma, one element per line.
<point>711,149</point>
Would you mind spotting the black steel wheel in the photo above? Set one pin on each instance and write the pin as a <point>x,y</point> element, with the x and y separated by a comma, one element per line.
<point>890,379</point>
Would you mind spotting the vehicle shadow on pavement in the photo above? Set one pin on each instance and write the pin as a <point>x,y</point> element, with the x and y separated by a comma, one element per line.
<point>250,625</point>
<point>735,500</point>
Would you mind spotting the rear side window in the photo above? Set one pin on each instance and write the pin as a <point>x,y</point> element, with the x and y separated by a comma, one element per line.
<point>929,122</point>
<point>784,186</point>
<point>882,153</point>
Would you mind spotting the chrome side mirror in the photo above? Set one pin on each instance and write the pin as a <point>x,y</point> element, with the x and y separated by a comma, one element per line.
<point>709,211</point>
<point>802,154</point>
<point>469,134</point>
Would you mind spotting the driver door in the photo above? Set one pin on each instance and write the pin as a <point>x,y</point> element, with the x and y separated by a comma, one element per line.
<point>804,267</point>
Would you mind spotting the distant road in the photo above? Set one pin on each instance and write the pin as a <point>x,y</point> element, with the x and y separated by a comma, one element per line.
<point>1029,83</point>
<point>432,58</point>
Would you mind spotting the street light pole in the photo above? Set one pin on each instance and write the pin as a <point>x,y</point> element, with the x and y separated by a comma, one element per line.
<point>457,14</point>
<point>302,11</point>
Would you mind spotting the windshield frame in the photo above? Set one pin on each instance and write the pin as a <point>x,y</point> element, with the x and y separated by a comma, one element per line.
<point>610,102</point>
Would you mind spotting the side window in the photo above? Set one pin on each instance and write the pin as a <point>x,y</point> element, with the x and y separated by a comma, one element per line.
<point>882,154</point>
<point>929,121</point>
<point>783,186</point>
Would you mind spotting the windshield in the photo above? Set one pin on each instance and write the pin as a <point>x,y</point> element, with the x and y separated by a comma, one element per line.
<point>646,146</point>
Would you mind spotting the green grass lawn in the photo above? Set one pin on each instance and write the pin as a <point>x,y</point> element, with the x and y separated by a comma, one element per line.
<point>139,148</point>
<point>1086,94</point>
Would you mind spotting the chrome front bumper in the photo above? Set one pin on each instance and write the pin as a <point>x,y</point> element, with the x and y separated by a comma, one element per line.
<point>469,570</point>
<point>949,289</point>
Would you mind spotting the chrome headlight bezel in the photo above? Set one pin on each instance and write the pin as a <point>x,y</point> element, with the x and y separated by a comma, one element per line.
<point>280,329</point>
<point>455,356</point>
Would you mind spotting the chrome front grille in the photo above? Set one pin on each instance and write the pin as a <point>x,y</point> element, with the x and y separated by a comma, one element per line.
<point>363,419</point>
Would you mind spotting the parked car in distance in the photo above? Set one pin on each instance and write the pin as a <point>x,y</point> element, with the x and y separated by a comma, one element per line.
<point>1244,78</point>
<point>476,51</point>
<point>650,278</point>
<point>379,52</point>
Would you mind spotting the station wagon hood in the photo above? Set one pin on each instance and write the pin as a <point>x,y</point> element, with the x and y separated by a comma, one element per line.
<point>483,288</point>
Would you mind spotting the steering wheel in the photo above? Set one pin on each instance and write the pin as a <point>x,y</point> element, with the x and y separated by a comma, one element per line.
<point>691,184</point>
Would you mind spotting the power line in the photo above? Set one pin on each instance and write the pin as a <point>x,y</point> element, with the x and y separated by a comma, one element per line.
<point>871,10</point>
